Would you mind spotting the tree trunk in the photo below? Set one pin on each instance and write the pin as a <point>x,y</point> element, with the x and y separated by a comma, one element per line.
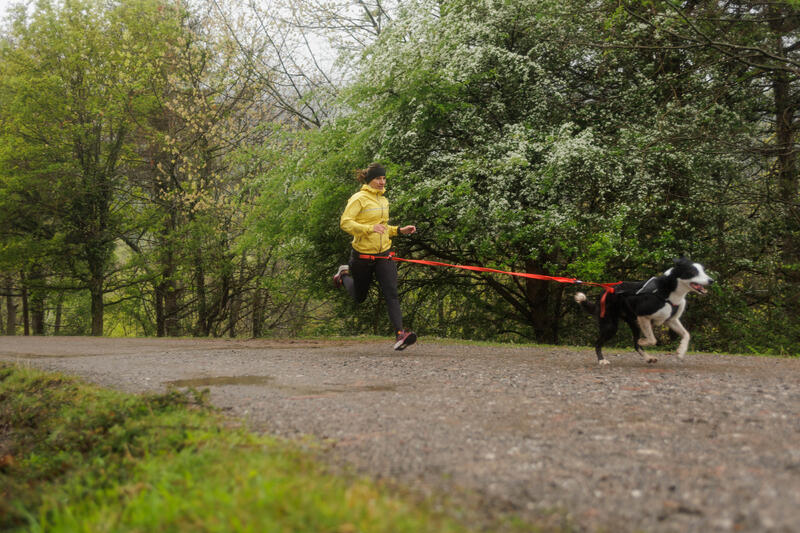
<point>96,291</point>
<point>37,302</point>
<point>558,301</point>
<point>233,317</point>
<point>785,112</point>
<point>11,308</point>
<point>203,327</point>
<point>158,296</point>
<point>171,322</point>
<point>37,313</point>
<point>786,108</point>
<point>258,312</point>
<point>169,293</point>
<point>224,296</point>
<point>59,306</point>
<point>538,296</point>
<point>26,319</point>
<point>97,255</point>
<point>236,301</point>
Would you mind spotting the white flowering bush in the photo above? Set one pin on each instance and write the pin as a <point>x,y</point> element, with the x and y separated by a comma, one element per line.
<point>516,141</point>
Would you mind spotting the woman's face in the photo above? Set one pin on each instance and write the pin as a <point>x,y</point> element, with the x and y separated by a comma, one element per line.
<point>378,183</point>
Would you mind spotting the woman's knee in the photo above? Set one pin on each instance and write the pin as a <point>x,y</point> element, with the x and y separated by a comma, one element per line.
<point>359,297</point>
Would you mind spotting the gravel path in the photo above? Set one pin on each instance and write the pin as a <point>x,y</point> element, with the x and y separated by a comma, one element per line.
<point>708,444</point>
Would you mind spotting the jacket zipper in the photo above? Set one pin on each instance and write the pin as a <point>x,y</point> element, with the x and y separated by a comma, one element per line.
<point>380,248</point>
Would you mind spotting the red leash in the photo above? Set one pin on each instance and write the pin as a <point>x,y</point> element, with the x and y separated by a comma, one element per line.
<point>609,287</point>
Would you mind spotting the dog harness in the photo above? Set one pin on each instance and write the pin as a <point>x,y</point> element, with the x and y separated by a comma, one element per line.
<point>649,286</point>
<point>645,286</point>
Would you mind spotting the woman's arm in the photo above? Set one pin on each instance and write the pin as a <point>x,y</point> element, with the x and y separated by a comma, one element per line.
<point>348,219</point>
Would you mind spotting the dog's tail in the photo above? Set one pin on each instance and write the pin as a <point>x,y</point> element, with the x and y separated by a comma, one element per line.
<point>584,302</point>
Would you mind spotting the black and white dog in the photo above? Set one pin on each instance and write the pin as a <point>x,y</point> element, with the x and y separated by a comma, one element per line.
<point>643,304</point>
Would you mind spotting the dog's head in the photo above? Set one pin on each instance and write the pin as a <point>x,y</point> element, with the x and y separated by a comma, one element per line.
<point>690,274</point>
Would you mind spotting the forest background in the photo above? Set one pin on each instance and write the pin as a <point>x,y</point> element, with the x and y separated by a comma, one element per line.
<point>178,167</point>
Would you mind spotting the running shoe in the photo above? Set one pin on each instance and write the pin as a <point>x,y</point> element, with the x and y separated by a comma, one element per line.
<point>337,278</point>
<point>405,339</point>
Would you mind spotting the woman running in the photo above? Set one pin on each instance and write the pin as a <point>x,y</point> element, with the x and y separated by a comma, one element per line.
<point>366,218</point>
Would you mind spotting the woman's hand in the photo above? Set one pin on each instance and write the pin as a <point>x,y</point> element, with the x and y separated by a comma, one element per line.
<point>379,228</point>
<point>408,230</point>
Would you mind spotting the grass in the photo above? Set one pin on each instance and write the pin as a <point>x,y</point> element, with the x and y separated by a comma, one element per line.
<point>74,457</point>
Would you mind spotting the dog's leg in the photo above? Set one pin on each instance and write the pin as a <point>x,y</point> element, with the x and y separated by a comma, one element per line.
<point>676,326</point>
<point>647,338</point>
<point>637,333</point>
<point>608,328</point>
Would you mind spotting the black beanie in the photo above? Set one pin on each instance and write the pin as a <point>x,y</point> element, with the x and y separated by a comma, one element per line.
<point>374,172</point>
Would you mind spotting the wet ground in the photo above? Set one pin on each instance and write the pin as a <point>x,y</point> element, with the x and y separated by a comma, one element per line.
<point>708,444</point>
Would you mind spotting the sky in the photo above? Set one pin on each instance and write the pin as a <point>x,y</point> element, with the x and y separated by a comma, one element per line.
<point>4,5</point>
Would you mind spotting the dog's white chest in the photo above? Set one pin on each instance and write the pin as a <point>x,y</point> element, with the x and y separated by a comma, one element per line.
<point>667,312</point>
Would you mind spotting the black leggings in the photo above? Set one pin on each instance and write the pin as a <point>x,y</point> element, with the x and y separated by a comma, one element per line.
<point>360,278</point>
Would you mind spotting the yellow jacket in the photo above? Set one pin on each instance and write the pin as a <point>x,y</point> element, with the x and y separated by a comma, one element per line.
<point>364,209</point>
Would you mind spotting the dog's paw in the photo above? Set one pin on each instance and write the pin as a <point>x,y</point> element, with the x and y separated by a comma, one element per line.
<point>651,359</point>
<point>603,362</point>
<point>580,297</point>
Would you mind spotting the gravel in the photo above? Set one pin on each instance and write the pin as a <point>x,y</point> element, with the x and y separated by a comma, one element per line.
<point>711,443</point>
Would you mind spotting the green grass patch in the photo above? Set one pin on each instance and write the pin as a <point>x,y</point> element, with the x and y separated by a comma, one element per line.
<point>74,457</point>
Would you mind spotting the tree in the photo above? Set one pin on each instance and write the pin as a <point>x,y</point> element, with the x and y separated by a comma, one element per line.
<point>72,74</point>
<point>211,107</point>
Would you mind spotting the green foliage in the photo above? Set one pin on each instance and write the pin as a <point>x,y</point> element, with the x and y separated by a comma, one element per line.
<point>72,75</point>
<point>94,460</point>
<point>542,137</point>
<point>120,166</point>
<point>501,159</point>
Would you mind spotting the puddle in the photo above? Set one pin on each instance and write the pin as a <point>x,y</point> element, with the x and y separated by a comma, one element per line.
<point>269,380</point>
<point>222,380</point>
<point>46,356</point>
<point>378,388</point>
<point>344,388</point>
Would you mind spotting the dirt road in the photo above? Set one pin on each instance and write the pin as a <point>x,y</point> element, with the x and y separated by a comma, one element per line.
<point>708,444</point>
